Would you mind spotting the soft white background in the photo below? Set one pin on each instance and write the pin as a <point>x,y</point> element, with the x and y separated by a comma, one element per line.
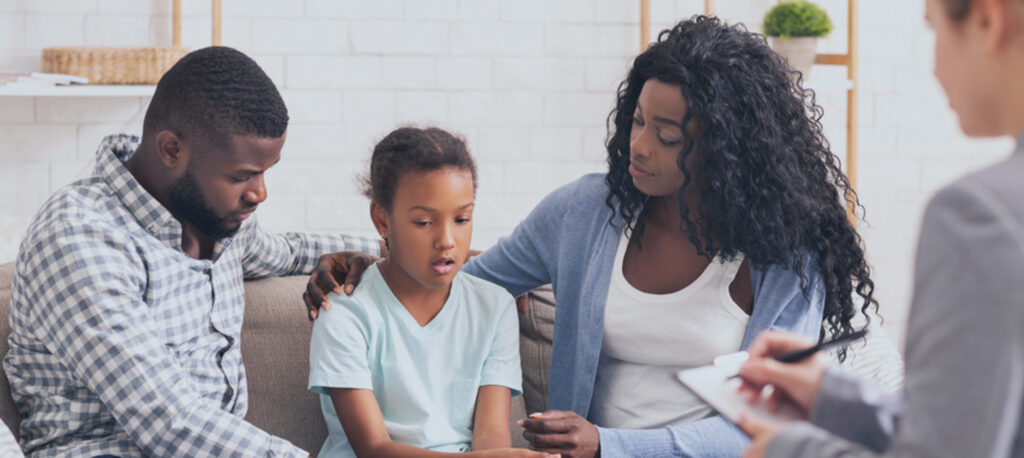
<point>527,82</point>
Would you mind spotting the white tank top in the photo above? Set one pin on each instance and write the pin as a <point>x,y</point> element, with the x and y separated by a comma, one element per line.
<point>650,337</point>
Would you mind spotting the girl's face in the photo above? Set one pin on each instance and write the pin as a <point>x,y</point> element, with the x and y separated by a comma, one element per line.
<point>656,139</point>
<point>430,225</point>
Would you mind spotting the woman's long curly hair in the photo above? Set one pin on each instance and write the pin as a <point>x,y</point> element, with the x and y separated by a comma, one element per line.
<point>769,185</point>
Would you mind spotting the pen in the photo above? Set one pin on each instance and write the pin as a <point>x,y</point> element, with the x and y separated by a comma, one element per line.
<point>800,355</point>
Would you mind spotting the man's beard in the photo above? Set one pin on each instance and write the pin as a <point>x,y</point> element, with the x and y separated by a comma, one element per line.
<point>189,204</point>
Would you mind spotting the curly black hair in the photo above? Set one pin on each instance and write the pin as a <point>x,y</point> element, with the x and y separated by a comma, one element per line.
<point>769,185</point>
<point>411,149</point>
<point>213,93</point>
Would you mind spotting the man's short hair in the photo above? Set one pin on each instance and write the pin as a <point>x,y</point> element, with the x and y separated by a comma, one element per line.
<point>214,93</point>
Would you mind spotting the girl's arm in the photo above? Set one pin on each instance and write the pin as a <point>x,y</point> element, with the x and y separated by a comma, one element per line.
<point>490,420</point>
<point>364,426</point>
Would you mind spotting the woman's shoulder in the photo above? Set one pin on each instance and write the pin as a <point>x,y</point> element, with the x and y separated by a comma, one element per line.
<point>586,194</point>
<point>991,194</point>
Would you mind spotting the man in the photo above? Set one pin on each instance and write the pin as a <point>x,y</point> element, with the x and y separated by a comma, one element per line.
<point>127,300</point>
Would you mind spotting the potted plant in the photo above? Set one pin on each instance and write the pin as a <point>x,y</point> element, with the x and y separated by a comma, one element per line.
<point>793,28</point>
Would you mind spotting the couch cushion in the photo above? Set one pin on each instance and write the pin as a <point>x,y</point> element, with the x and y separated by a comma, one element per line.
<point>8,412</point>
<point>536,331</point>
<point>275,349</point>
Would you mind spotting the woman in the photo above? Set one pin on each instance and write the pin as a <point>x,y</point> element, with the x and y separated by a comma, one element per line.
<point>721,216</point>
<point>964,391</point>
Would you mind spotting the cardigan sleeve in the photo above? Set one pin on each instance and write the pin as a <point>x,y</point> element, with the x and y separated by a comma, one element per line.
<point>527,258</point>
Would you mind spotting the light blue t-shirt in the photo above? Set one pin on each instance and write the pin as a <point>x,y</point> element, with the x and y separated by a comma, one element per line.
<point>425,378</point>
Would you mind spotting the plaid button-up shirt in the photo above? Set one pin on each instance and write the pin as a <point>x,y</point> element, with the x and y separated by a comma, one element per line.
<point>120,342</point>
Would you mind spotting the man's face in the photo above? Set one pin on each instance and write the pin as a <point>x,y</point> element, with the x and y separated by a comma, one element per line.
<point>221,187</point>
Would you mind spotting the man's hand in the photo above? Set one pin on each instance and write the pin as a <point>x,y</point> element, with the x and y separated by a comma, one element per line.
<point>561,432</point>
<point>798,382</point>
<point>761,433</point>
<point>332,271</point>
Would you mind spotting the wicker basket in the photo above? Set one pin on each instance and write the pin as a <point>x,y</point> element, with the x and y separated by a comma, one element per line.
<point>113,65</point>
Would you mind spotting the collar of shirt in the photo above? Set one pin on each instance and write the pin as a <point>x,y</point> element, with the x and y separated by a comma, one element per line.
<point>1020,142</point>
<point>149,212</point>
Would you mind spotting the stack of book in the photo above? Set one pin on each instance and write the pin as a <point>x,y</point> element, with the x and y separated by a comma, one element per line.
<point>39,79</point>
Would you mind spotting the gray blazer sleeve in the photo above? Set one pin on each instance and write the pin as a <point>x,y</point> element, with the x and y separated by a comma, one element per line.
<point>965,346</point>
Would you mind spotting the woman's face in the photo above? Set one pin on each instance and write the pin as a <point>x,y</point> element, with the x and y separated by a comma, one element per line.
<point>656,139</point>
<point>430,225</point>
<point>965,70</point>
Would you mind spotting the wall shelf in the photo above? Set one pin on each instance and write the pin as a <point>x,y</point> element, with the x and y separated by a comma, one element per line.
<point>86,90</point>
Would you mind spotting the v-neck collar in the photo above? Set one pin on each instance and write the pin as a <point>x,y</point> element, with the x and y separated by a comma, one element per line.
<point>403,313</point>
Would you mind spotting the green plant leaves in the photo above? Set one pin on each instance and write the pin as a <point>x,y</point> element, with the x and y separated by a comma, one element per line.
<point>796,19</point>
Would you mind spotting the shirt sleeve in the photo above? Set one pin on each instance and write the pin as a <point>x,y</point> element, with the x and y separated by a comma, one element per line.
<point>270,254</point>
<point>86,288</point>
<point>339,347</point>
<point>965,345</point>
<point>502,364</point>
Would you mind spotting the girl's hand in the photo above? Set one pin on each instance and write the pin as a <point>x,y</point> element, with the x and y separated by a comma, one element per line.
<point>561,432</point>
<point>798,383</point>
<point>510,453</point>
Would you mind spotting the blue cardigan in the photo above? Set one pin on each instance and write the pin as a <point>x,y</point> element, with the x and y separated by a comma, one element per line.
<point>569,241</point>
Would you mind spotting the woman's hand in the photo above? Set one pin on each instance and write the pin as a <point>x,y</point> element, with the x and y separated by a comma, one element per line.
<point>798,383</point>
<point>561,432</point>
<point>761,433</point>
<point>333,270</point>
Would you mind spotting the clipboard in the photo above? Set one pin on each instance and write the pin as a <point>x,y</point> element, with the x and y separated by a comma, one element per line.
<point>713,385</point>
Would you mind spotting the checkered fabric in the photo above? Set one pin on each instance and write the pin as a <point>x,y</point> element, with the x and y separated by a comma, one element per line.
<point>120,343</point>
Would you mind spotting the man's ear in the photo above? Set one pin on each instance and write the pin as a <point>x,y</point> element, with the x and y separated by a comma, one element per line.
<point>381,219</point>
<point>171,151</point>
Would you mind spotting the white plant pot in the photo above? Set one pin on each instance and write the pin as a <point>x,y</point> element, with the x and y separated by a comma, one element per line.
<point>798,51</point>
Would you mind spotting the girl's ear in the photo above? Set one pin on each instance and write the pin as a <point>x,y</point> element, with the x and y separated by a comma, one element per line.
<point>381,219</point>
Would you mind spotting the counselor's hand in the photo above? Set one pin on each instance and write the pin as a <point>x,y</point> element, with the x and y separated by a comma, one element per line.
<point>333,270</point>
<point>761,433</point>
<point>561,432</point>
<point>798,383</point>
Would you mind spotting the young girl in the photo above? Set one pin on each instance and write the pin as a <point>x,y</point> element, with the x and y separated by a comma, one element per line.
<point>420,359</point>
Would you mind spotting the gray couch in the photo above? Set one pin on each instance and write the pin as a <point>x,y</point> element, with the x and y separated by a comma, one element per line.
<point>275,348</point>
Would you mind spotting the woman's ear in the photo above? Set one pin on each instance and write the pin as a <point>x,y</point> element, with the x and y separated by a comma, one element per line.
<point>381,219</point>
<point>991,18</point>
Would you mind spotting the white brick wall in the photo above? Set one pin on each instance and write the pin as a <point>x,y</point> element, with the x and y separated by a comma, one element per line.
<point>528,82</point>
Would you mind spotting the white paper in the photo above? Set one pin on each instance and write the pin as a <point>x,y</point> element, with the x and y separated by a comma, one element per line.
<point>713,386</point>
